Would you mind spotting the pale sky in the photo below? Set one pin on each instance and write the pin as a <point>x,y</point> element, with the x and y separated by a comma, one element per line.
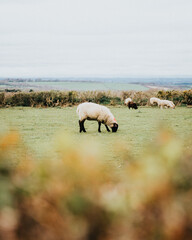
<point>114,38</point>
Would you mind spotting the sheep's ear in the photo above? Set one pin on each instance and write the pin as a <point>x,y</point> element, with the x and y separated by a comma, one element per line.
<point>115,125</point>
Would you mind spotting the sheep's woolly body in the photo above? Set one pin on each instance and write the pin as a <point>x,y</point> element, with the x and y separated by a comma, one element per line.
<point>154,100</point>
<point>127,100</point>
<point>93,111</point>
<point>166,103</point>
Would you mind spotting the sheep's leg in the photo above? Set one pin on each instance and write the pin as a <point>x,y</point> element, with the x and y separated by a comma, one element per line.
<point>81,125</point>
<point>107,128</point>
<point>83,128</point>
<point>99,126</point>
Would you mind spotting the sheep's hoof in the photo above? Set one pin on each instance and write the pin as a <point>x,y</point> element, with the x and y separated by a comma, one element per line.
<point>82,131</point>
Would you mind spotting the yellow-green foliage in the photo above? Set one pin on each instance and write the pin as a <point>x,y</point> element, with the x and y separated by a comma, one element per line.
<point>178,97</point>
<point>77,196</point>
<point>63,98</point>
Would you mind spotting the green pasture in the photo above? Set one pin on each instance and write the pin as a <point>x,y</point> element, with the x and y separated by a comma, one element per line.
<point>42,128</point>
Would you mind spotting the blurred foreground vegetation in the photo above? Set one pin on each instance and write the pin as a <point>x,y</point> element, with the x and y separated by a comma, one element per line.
<point>77,196</point>
<point>63,98</point>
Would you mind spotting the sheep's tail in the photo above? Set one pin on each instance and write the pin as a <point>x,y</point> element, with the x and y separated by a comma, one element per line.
<point>77,111</point>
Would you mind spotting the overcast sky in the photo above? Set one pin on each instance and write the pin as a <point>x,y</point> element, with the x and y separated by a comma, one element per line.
<point>75,38</point>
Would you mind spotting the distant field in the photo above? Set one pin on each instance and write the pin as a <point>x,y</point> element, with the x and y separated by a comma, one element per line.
<point>83,86</point>
<point>80,86</point>
<point>39,126</point>
<point>97,83</point>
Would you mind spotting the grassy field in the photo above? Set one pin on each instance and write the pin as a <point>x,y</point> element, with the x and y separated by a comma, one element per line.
<point>40,128</point>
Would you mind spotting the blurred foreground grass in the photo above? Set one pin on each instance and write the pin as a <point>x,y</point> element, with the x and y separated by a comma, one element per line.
<point>77,196</point>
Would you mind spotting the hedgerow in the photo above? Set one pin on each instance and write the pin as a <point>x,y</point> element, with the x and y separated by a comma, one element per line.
<point>63,98</point>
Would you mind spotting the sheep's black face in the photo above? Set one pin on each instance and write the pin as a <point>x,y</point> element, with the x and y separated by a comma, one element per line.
<point>115,127</point>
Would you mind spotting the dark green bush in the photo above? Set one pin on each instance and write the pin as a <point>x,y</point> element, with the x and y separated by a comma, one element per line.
<point>21,99</point>
<point>104,100</point>
<point>2,99</point>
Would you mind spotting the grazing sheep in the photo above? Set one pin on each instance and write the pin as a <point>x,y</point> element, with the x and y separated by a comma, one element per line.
<point>127,100</point>
<point>132,105</point>
<point>154,100</point>
<point>162,103</point>
<point>93,111</point>
<point>166,104</point>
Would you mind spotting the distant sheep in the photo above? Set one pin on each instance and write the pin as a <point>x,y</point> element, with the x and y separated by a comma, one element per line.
<point>154,100</point>
<point>162,103</point>
<point>132,105</point>
<point>166,104</point>
<point>93,111</point>
<point>127,100</point>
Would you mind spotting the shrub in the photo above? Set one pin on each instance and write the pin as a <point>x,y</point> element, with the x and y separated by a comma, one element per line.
<point>77,196</point>
<point>21,99</point>
<point>72,97</point>
<point>2,99</point>
<point>178,97</point>
<point>187,97</point>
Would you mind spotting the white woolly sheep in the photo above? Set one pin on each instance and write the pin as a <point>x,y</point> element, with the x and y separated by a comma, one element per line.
<point>93,111</point>
<point>154,100</point>
<point>166,104</point>
<point>127,100</point>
